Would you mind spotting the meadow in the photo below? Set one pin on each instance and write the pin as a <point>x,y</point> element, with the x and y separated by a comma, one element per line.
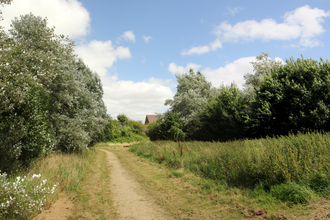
<point>292,168</point>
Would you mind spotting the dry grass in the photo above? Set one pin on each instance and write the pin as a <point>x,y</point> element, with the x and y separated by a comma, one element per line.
<point>67,170</point>
<point>93,200</point>
<point>196,197</point>
<point>182,197</point>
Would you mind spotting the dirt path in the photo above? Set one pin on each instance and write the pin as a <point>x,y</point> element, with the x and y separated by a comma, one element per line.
<point>129,198</point>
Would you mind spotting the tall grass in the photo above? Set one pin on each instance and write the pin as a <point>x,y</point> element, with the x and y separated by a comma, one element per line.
<point>65,171</point>
<point>303,159</point>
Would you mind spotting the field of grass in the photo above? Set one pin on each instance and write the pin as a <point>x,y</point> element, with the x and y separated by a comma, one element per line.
<point>292,169</point>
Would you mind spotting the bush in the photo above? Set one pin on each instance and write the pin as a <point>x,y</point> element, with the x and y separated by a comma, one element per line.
<point>115,131</point>
<point>21,197</point>
<point>222,118</point>
<point>168,128</point>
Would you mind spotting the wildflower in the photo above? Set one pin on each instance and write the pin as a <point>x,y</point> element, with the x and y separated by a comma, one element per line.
<point>35,176</point>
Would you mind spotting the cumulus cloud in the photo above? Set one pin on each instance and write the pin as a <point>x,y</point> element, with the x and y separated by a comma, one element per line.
<point>68,16</point>
<point>99,55</point>
<point>147,38</point>
<point>203,49</point>
<point>302,24</point>
<point>231,72</point>
<point>173,68</point>
<point>135,99</point>
<point>128,36</point>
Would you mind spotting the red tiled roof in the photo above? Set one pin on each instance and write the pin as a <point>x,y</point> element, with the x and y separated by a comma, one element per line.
<point>150,118</point>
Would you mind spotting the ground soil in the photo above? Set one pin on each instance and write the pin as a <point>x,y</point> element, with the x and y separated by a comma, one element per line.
<point>60,210</point>
<point>130,199</point>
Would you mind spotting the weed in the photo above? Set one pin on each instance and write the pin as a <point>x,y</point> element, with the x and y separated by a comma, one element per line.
<point>177,174</point>
<point>292,192</point>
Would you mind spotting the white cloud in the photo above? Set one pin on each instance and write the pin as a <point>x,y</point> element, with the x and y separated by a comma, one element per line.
<point>147,38</point>
<point>173,68</point>
<point>163,82</point>
<point>135,99</point>
<point>68,16</point>
<point>128,36</point>
<point>231,72</point>
<point>302,24</point>
<point>233,11</point>
<point>161,63</point>
<point>203,49</point>
<point>99,55</point>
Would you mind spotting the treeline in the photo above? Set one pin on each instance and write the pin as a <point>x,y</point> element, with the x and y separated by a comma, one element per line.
<point>123,130</point>
<point>277,99</point>
<point>49,99</point>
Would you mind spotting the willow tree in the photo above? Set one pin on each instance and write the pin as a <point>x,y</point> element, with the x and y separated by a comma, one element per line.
<point>49,99</point>
<point>193,93</point>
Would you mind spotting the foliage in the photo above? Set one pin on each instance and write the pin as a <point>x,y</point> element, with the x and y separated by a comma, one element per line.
<point>123,119</point>
<point>222,118</point>
<point>137,126</point>
<point>78,113</point>
<point>168,128</point>
<point>261,68</point>
<point>193,92</point>
<point>21,197</point>
<point>293,98</point>
<point>131,131</point>
<point>292,192</point>
<point>300,159</point>
<point>48,98</point>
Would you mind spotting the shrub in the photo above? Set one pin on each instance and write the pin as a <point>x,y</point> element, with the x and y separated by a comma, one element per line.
<point>21,197</point>
<point>168,128</point>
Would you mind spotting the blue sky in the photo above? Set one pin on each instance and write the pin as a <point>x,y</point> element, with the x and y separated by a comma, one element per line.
<point>137,47</point>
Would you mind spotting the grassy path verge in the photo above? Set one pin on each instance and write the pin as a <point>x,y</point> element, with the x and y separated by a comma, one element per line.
<point>93,199</point>
<point>177,196</point>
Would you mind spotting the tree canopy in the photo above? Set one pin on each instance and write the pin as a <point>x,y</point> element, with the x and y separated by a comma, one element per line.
<point>193,92</point>
<point>294,97</point>
<point>49,99</point>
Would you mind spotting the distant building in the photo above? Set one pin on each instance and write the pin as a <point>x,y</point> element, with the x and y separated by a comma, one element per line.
<point>150,118</point>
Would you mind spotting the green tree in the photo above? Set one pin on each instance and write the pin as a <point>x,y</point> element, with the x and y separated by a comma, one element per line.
<point>193,92</point>
<point>261,67</point>
<point>170,127</point>
<point>293,98</point>
<point>222,118</point>
<point>48,98</point>
<point>123,119</point>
